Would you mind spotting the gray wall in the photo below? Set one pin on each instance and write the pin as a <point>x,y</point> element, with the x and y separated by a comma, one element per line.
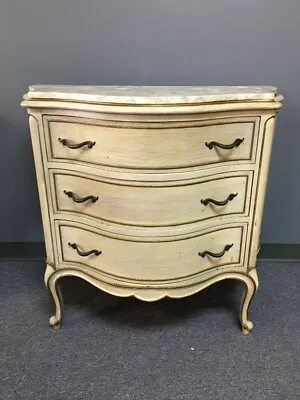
<point>152,42</point>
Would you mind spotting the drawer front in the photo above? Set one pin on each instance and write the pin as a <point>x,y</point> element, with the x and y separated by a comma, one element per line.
<point>213,142</point>
<point>152,203</point>
<point>151,261</point>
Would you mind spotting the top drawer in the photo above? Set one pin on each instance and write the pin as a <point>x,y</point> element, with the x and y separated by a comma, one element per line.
<point>149,145</point>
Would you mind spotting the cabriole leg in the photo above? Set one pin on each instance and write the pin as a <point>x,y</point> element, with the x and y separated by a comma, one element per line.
<point>250,290</point>
<point>54,287</point>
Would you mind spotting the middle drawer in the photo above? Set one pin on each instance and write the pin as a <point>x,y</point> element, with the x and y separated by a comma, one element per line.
<point>143,203</point>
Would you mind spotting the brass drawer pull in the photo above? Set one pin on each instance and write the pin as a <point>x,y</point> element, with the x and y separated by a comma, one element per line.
<point>216,255</point>
<point>213,144</point>
<point>219,203</point>
<point>84,253</point>
<point>77,199</point>
<point>67,143</point>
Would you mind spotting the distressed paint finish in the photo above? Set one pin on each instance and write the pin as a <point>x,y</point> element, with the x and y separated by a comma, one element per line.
<point>157,153</point>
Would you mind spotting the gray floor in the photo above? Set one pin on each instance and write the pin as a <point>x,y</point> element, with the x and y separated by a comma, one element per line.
<point>113,348</point>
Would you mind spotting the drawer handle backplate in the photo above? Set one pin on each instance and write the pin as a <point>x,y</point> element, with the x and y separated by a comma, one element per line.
<point>67,143</point>
<point>84,253</point>
<point>216,255</point>
<point>213,144</point>
<point>230,197</point>
<point>77,199</point>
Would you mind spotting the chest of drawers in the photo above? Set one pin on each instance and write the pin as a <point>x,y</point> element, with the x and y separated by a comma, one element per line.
<point>152,191</point>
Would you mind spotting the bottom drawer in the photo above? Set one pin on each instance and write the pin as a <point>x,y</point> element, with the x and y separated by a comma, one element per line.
<point>163,259</point>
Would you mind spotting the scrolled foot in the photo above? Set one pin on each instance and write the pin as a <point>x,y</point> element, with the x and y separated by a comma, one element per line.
<point>54,322</point>
<point>247,327</point>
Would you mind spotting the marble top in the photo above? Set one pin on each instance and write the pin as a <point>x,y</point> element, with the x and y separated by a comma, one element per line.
<point>151,94</point>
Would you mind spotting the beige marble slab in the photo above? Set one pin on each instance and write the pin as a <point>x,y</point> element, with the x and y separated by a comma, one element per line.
<point>151,94</point>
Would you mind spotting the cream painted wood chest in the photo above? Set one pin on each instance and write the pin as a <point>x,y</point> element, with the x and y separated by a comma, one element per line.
<point>152,191</point>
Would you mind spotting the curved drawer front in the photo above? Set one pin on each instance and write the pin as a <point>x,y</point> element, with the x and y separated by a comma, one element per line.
<point>151,261</point>
<point>152,203</point>
<point>145,147</point>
